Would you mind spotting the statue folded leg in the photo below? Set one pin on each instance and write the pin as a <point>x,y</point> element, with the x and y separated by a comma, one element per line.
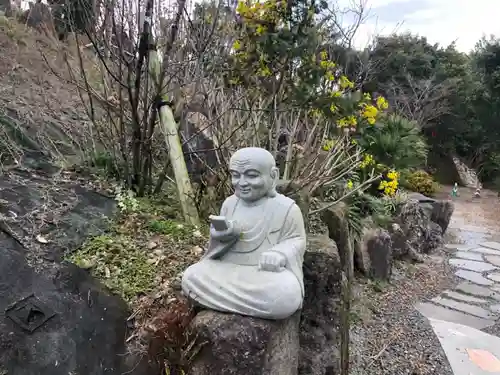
<point>243,289</point>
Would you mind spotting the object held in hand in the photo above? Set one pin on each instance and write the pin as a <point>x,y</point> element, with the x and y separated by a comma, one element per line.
<point>219,223</point>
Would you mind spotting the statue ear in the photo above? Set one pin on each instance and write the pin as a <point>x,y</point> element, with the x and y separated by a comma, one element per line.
<point>275,173</point>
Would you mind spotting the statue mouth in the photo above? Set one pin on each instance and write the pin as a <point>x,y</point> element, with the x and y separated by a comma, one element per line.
<point>245,190</point>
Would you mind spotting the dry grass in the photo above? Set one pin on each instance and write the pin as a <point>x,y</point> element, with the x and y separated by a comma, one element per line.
<point>35,104</point>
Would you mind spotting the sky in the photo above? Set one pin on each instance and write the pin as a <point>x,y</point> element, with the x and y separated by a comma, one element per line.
<point>441,21</point>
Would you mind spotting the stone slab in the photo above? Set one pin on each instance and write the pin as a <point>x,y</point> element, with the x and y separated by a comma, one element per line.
<point>495,308</point>
<point>463,297</point>
<point>493,259</point>
<point>485,250</point>
<point>470,255</point>
<point>494,276</point>
<point>474,277</point>
<point>458,342</point>
<point>459,247</point>
<point>478,291</point>
<point>432,311</point>
<point>472,265</point>
<point>464,307</point>
<point>491,245</point>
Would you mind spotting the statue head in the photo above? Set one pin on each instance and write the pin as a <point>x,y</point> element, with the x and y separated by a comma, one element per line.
<point>254,174</point>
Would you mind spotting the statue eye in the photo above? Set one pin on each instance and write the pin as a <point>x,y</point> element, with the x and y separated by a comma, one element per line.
<point>252,175</point>
<point>235,175</point>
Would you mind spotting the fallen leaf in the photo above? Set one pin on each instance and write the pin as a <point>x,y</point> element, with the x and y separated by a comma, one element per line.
<point>485,360</point>
<point>41,239</point>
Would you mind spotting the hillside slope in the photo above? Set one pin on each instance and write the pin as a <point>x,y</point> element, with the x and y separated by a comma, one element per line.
<point>39,112</point>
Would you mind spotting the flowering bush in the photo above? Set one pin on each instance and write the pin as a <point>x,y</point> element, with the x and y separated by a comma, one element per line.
<point>421,182</point>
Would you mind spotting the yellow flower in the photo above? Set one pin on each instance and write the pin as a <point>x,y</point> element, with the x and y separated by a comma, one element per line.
<point>237,45</point>
<point>370,111</point>
<point>371,120</point>
<point>382,103</point>
<point>260,30</point>
<point>345,83</point>
<point>323,55</point>
<point>392,175</point>
<point>335,94</point>
<point>367,160</point>
<point>334,108</point>
<point>328,145</point>
<point>349,184</point>
<point>367,96</point>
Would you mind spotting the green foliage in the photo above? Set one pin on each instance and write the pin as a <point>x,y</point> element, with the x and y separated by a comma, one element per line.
<point>117,261</point>
<point>421,182</point>
<point>395,142</point>
<point>176,230</point>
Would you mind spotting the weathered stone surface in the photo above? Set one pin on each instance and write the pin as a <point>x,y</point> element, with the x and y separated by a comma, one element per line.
<point>494,276</point>
<point>479,291</point>
<point>441,213</point>
<point>319,341</point>
<point>88,332</point>
<point>379,249</point>
<point>468,255</point>
<point>472,265</point>
<point>422,235</point>
<point>491,245</point>
<point>493,259</point>
<point>238,345</point>
<point>459,247</point>
<point>474,277</point>
<point>484,250</point>
<point>463,297</point>
<point>433,311</point>
<point>464,307</point>
<point>336,222</point>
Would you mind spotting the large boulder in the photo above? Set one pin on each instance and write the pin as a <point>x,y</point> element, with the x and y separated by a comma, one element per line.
<point>304,344</point>
<point>420,226</point>
<point>56,319</point>
<point>319,324</point>
<point>238,345</point>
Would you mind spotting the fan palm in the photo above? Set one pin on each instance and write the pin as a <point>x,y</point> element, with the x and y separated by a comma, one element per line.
<point>395,142</point>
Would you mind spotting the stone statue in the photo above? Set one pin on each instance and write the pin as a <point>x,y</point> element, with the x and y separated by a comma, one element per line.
<point>253,264</point>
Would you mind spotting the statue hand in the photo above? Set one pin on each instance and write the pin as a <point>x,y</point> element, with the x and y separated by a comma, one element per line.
<point>225,235</point>
<point>272,261</point>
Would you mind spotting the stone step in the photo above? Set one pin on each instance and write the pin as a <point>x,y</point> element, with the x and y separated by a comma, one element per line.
<point>472,265</point>
<point>464,307</point>
<point>484,250</point>
<point>470,255</point>
<point>430,310</point>
<point>459,247</point>
<point>491,245</point>
<point>494,276</point>
<point>463,297</point>
<point>493,259</point>
<point>477,291</point>
<point>474,277</point>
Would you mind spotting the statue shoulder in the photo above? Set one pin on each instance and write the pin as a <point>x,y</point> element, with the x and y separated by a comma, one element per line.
<point>229,203</point>
<point>283,201</point>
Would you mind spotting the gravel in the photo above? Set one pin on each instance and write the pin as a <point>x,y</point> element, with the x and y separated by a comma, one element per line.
<point>388,335</point>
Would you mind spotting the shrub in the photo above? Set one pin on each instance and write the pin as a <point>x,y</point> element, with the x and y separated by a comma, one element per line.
<point>395,142</point>
<point>421,182</point>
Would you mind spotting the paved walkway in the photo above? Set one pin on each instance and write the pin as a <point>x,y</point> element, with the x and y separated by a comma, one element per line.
<point>475,301</point>
<point>458,315</point>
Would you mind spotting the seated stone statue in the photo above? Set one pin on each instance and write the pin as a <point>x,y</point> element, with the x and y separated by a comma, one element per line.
<point>253,266</point>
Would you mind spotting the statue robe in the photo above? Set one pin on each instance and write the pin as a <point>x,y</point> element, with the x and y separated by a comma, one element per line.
<point>228,278</point>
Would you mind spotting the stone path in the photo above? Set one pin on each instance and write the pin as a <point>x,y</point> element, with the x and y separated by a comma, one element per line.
<point>457,315</point>
<point>475,301</point>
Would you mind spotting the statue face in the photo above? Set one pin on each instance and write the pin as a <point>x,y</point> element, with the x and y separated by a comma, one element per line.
<point>250,181</point>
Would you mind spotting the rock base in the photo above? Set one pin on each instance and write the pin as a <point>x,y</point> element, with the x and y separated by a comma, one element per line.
<point>238,345</point>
